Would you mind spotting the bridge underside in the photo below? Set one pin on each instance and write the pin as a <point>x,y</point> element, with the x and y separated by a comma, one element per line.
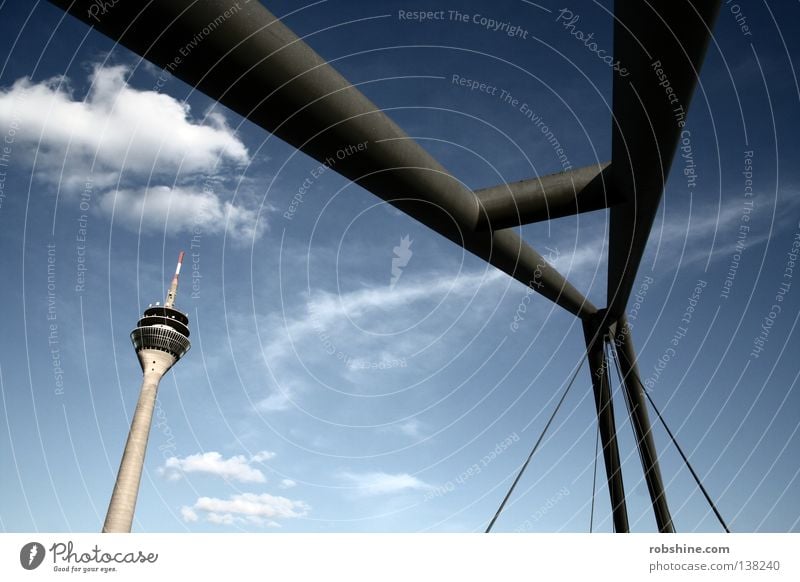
<point>260,69</point>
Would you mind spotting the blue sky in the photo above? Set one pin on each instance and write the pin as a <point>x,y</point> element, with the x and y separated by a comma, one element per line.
<point>325,391</point>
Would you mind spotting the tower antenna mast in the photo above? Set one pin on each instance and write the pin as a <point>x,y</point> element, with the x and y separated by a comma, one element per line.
<point>173,288</point>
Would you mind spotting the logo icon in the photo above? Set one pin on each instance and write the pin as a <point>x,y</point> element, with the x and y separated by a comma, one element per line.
<point>402,254</point>
<point>31,555</point>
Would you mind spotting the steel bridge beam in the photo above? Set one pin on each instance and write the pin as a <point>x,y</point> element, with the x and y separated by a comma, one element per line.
<point>546,197</point>
<point>256,66</point>
<point>595,330</point>
<point>640,419</point>
<point>661,46</point>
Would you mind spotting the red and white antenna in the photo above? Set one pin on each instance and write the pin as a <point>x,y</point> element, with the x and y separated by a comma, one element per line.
<point>173,288</point>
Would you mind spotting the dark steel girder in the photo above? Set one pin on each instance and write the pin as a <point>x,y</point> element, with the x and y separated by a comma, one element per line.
<point>661,46</point>
<point>257,67</point>
<point>595,330</point>
<point>546,197</point>
<point>640,419</point>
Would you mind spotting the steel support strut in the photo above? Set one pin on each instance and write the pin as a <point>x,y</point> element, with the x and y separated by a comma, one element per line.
<point>545,197</point>
<point>594,332</point>
<point>640,419</point>
<point>661,46</point>
<point>257,67</point>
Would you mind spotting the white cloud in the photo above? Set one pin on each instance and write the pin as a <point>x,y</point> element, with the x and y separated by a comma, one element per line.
<point>216,518</point>
<point>188,514</point>
<point>180,209</point>
<point>236,468</point>
<point>257,508</point>
<point>378,483</point>
<point>116,125</point>
<point>287,483</point>
<point>118,138</point>
<point>262,456</point>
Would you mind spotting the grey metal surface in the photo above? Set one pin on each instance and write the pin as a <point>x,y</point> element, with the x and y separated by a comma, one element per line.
<point>640,419</point>
<point>646,127</point>
<point>546,197</point>
<point>594,331</point>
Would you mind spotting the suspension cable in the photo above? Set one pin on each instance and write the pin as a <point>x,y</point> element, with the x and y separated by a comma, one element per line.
<point>680,451</point>
<point>612,357</point>
<point>594,478</point>
<point>535,447</point>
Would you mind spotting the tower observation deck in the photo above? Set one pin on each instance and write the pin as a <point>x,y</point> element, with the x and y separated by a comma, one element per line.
<point>162,328</point>
<point>161,338</point>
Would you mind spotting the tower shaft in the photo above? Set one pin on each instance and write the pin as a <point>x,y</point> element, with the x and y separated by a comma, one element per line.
<point>119,517</point>
<point>161,338</point>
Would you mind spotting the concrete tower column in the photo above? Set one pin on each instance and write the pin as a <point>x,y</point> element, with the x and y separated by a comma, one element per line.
<point>119,517</point>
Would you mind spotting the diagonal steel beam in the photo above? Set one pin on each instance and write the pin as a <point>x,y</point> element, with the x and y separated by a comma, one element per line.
<point>640,419</point>
<point>595,330</point>
<point>242,56</point>
<point>660,46</point>
<point>538,199</point>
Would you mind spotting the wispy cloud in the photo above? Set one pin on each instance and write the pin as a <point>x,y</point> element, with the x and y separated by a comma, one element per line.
<point>345,332</point>
<point>411,428</point>
<point>324,310</point>
<point>328,307</point>
<point>236,468</point>
<point>181,209</point>
<point>377,483</point>
<point>717,223</point>
<point>279,399</point>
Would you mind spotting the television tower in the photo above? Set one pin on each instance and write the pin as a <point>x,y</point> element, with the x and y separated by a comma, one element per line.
<point>160,339</point>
